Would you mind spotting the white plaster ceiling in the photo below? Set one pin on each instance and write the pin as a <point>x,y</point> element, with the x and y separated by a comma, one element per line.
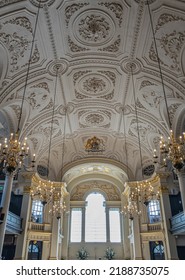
<point>94,43</point>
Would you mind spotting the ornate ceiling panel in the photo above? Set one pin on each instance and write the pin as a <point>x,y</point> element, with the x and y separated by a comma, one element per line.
<point>93,45</point>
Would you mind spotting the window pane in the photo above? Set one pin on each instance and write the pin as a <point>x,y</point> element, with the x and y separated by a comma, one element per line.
<point>154,211</point>
<point>95,222</point>
<point>76,225</point>
<point>37,211</point>
<point>115,228</point>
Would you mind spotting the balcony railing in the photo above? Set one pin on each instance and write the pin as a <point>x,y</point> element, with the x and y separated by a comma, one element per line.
<point>178,223</point>
<point>14,223</point>
<point>39,227</point>
<point>151,227</point>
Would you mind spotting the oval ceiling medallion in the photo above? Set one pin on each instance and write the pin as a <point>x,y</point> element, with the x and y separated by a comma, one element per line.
<point>94,85</point>
<point>131,65</point>
<point>58,65</point>
<point>93,28</point>
<point>94,119</point>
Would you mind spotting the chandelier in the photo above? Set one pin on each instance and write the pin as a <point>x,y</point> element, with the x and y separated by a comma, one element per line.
<point>146,192</point>
<point>43,191</point>
<point>172,149</point>
<point>13,153</point>
<point>58,205</point>
<point>95,145</point>
<point>131,209</point>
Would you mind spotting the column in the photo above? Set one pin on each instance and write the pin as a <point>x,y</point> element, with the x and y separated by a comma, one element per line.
<point>125,230</point>
<point>83,223</point>
<point>146,250</point>
<point>137,238</point>
<point>20,253</point>
<point>125,238</point>
<point>66,227</point>
<point>5,202</point>
<point>181,178</point>
<point>54,239</point>
<point>45,249</point>
<point>107,223</point>
<point>170,242</point>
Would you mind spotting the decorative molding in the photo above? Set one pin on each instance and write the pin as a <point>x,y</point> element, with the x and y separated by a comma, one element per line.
<point>93,29</point>
<point>109,189</point>
<point>59,66</point>
<point>50,31</point>
<point>116,8</point>
<point>74,47</point>
<point>146,1</point>
<point>172,110</point>
<point>129,66</point>
<point>42,3</point>
<point>165,18</point>
<point>8,2</point>
<point>114,47</point>
<point>21,21</point>
<point>70,10</point>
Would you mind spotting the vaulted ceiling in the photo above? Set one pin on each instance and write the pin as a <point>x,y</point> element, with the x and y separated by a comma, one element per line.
<point>93,45</point>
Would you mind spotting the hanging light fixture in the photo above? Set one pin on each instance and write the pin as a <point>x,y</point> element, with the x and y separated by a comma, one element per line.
<point>13,151</point>
<point>45,190</point>
<point>58,206</point>
<point>144,190</point>
<point>172,149</point>
<point>131,209</point>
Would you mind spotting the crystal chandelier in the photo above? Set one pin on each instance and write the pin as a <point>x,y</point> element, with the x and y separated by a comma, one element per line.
<point>131,209</point>
<point>172,149</point>
<point>13,153</point>
<point>146,192</point>
<point>94,145</point>
<point>58,205</point>
<point>43,191</point>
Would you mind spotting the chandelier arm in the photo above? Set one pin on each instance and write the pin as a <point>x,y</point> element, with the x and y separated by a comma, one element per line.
<point>28,68</point>
<point>159,65</point>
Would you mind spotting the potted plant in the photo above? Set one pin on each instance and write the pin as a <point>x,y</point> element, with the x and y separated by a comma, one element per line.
<point>109,253</point>
<point>82,254</point>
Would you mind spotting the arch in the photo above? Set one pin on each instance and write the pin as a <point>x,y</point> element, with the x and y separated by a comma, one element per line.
<point>179,121</point>
<point>3,64</point>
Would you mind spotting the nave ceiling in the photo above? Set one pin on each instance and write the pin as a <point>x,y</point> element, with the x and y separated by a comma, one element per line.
<point>93,44</point>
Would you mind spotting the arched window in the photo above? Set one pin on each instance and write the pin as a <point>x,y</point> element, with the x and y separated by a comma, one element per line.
<point>154,212</point>
<point>35,250</point>
<point>95,218</point>
<point>157,250</point>
<point>37,211</point>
